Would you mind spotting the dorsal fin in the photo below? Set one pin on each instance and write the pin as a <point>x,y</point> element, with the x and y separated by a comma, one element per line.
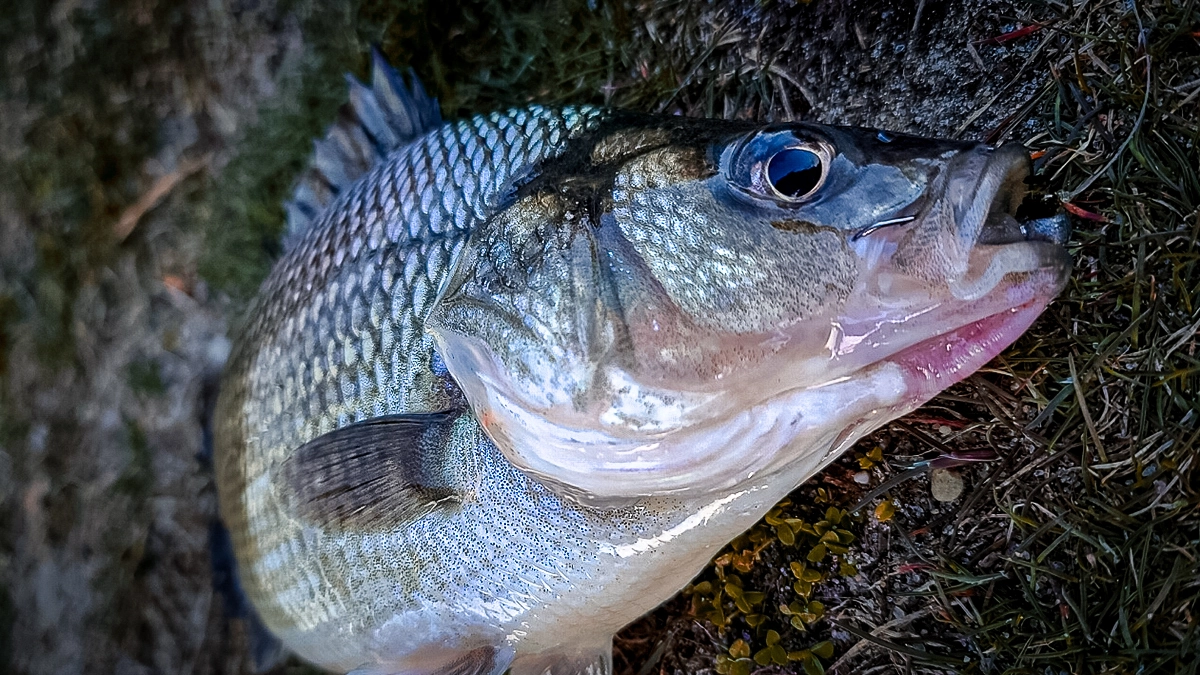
<point>377,120</point>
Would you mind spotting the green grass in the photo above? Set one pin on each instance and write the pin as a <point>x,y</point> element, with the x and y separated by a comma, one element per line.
<point>1095,545</point>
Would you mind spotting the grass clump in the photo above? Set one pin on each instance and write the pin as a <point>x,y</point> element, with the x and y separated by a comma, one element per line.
<point>1091,542</point>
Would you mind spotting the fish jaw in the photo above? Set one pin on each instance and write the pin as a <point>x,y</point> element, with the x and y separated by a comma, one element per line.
<point>934,364</point>
<point>700,443</point>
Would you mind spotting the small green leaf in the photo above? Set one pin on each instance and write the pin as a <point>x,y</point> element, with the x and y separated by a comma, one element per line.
<point>779,655</point>
<point>772,638</point>
<point>823,649</point>
<point>739,649</point>
<point>785,534</point>
<point>885,511</point>
<point>817,554</point>
<point>834,515</point>
<point>801,526</point>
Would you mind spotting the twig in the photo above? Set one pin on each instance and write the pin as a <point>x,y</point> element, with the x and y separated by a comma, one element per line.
<point>152,197</point>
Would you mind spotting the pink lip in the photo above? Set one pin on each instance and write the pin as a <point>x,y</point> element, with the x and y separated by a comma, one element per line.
<point>934,364</point>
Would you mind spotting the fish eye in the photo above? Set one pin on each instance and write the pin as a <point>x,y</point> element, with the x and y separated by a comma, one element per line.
<point>795,173</point>
<point>783,165</point>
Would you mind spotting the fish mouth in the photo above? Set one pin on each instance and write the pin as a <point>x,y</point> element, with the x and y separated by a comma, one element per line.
<point>1015,266</point>
<point>933,364</point>
<point>994,216</point>
<point>970,276</point>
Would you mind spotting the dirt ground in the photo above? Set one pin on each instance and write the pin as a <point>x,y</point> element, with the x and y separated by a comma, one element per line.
<point>145,146</point>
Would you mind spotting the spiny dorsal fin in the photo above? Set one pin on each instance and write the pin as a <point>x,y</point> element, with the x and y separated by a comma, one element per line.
<point>377,120</point>
<point>371,475</point>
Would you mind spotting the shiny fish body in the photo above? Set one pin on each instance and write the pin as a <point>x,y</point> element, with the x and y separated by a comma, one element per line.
<point>343,333</point>
<point>438,292</point>
<point>340,339</point>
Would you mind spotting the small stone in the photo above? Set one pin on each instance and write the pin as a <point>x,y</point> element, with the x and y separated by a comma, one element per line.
<point>862,478</point>
<point>945,484</point>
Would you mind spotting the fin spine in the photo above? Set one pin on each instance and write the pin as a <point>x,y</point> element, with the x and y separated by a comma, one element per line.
<point>376,120</point>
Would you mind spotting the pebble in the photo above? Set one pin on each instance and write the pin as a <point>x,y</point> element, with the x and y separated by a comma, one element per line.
<point>945,484</point>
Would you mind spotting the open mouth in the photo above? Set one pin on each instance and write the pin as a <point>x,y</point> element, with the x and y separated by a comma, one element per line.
<point>1003,211</point>
<point>1017,265</point>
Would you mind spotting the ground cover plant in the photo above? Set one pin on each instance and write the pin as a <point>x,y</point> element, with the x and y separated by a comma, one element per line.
<point>1042,516</point>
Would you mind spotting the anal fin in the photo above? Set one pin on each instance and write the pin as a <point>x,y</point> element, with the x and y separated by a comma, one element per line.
<point>484,660</point>
<point>594,659</point>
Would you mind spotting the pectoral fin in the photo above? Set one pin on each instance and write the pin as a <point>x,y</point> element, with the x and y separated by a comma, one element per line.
<point>371,475</point>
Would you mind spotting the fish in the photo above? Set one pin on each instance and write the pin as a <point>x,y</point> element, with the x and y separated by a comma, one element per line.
<point>517,377</point>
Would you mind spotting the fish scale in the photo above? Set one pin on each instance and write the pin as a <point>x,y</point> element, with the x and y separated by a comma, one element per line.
<point>324,593</point>
<point>312,348</point>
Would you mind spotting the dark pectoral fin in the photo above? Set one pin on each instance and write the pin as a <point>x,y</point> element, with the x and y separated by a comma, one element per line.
<point>371,475</point>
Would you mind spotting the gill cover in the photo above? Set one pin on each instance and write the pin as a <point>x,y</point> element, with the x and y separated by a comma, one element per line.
<point>681,306</point>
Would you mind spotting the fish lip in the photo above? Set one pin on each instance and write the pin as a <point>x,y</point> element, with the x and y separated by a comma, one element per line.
<point>989,216</point>
<point>931,365</point>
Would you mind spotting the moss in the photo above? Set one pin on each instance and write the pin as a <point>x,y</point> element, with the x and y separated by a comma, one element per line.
<point>243,217</point>
<point>94,128</point>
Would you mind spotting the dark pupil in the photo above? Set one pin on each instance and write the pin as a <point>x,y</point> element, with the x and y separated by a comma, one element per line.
<point>794,172</point>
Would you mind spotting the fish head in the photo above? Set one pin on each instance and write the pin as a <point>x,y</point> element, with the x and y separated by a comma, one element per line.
<point>686,306</point>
